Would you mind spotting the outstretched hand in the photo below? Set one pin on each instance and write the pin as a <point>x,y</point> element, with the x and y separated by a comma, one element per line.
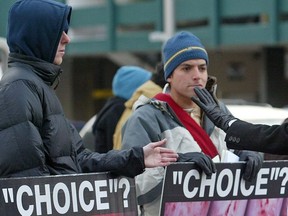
<point>154,155</point>
<point>208,104</point>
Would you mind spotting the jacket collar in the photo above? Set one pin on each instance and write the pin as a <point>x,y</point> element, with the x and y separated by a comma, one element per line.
<point>48,72</point>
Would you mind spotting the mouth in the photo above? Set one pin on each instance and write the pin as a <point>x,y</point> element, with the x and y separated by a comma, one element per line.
<point>193,86</point>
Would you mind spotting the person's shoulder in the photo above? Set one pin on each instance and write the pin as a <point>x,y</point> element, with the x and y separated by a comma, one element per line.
<point>19,79</point>
<point>113,103</point>
<point>149,88</point>
<point>151,108</point>
<point>143,108</point>
<point>116,99</point>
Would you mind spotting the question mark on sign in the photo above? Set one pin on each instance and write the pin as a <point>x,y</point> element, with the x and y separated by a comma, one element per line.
<point>125,182</point>
<point>283,172</point>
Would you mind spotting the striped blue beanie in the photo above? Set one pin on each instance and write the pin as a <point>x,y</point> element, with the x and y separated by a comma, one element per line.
<point>181,47</point>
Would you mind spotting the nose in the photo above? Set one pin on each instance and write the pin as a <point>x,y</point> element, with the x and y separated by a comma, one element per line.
<point>65,38</point>
<point>196,74</point>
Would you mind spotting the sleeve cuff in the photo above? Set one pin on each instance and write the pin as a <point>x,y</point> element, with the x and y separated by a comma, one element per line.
<point>231,122</point>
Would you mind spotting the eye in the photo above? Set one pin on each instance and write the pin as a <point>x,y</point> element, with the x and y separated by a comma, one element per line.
<point>186,68</point>
<point>202,68</point>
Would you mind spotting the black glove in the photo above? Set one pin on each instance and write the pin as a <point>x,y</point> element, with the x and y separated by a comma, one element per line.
<point>207,103</point>
<point>253,165</point>
<point>200,159</point>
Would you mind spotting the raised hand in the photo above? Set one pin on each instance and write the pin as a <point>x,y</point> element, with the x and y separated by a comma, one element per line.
<point>208,104</point>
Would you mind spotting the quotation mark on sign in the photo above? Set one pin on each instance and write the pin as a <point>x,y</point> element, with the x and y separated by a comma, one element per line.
<point>8,193</point>
<point>177,175</point>
<point>274,173</point>
<point>123,184</point>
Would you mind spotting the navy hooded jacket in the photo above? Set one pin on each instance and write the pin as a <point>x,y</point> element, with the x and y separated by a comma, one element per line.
<point>35,137</point>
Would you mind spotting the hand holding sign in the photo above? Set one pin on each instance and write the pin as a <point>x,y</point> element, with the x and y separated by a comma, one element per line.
<point>203,161</point>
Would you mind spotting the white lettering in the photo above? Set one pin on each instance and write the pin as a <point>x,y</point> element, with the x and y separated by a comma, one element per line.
<point>45,198</point>
<point>192,173</point>
<point>56,191</point>
<point>24,189</point>
<point>229,175</point>
<point>86,207</point>
<point>101,194</point>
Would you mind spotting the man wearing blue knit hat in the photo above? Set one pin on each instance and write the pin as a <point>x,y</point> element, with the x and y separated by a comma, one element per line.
<point>174,116</point>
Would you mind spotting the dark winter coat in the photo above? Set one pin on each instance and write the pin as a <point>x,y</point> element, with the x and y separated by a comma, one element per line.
<point>270,139</point>
<point>105,123</point>
<point>35,137</point>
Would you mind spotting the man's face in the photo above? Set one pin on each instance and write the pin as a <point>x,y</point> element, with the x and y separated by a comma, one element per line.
<point>61,48</point>
<point>186,76</point>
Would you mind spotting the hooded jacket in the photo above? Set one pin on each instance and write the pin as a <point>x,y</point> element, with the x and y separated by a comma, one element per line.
<point>36,138</point>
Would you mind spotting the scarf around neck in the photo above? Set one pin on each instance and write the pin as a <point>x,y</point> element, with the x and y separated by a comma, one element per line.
<point>197,132</point>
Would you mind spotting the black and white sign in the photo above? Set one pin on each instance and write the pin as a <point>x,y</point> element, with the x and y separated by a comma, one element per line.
<point>187,191</point>
<point>84,194</point>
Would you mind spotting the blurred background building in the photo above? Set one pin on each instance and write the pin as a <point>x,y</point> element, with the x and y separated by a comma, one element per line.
<point>247,42</point>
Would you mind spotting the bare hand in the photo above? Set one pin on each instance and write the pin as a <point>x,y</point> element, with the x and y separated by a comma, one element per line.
<point>154,155</point>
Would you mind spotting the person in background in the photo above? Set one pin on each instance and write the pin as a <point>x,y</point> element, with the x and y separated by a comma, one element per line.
<point>126,80</point>
<point>36,137</point>
<point>174,116</point>
<point>147,90</point>
<point>244,135</point>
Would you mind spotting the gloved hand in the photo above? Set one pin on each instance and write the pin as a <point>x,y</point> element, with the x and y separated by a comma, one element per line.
<point>207,103</point>
<point>203,161</point>
<point>254,163</point>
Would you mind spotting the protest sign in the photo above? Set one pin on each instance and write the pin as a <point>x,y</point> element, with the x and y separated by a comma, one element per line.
<point>187,191</point>
<point>83,194</point>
